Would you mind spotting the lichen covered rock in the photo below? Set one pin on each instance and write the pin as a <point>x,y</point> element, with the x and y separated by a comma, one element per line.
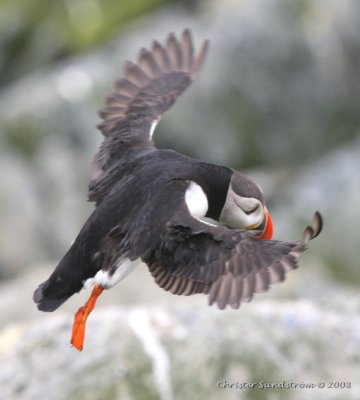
<point>177,353</point>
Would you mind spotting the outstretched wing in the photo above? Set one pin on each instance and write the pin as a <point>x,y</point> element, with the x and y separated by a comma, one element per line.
<point>147,90</point>
<point>229,265</point>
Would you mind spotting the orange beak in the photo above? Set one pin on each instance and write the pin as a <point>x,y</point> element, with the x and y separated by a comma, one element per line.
<point>268,230</point>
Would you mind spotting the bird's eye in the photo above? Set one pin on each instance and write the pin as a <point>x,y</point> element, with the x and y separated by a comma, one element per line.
<point>252,210</point>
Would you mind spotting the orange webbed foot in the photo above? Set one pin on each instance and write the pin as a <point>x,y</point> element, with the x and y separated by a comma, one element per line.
<point>78,331</point>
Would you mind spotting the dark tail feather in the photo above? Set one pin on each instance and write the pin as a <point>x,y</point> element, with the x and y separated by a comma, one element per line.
<point>48,299</point>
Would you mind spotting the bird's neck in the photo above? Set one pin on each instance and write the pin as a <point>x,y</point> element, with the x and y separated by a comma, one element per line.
<point>214,180</point>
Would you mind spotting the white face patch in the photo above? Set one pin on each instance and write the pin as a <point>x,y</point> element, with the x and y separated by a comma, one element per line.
<point>196,200</point>
<point>124,267</point>
<point>241,212</point>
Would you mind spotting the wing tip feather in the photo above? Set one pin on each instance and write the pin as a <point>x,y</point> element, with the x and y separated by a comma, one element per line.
<point>177,55</point>
<point>315,228</point>
<point>200,58</point>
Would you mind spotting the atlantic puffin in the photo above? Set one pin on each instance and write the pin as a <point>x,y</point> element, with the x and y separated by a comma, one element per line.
<point>151,204</point>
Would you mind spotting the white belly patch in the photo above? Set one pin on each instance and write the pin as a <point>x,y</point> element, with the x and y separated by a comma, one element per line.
<point>196,200</point>
<point>124,267</point>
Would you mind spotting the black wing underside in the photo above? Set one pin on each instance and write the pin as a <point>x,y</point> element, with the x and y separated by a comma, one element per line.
<point>228,265</point>
<point>147,90</point>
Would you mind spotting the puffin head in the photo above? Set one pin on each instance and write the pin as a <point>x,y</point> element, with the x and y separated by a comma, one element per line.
<point>245,208</point>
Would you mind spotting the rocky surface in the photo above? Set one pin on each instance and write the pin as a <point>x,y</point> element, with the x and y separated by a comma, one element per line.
<point>144,343</point>
<point>173,352</point>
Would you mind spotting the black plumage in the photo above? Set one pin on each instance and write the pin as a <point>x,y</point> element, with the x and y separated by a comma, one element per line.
<point>140,191</point>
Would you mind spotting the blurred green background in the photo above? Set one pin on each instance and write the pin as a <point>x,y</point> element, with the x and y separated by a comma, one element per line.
<point>278,98</point>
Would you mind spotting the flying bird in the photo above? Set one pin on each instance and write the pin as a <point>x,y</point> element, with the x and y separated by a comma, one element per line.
<point>150,204</point>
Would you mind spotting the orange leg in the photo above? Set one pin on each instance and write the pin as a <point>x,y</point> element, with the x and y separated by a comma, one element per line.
<point>78,331</point>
